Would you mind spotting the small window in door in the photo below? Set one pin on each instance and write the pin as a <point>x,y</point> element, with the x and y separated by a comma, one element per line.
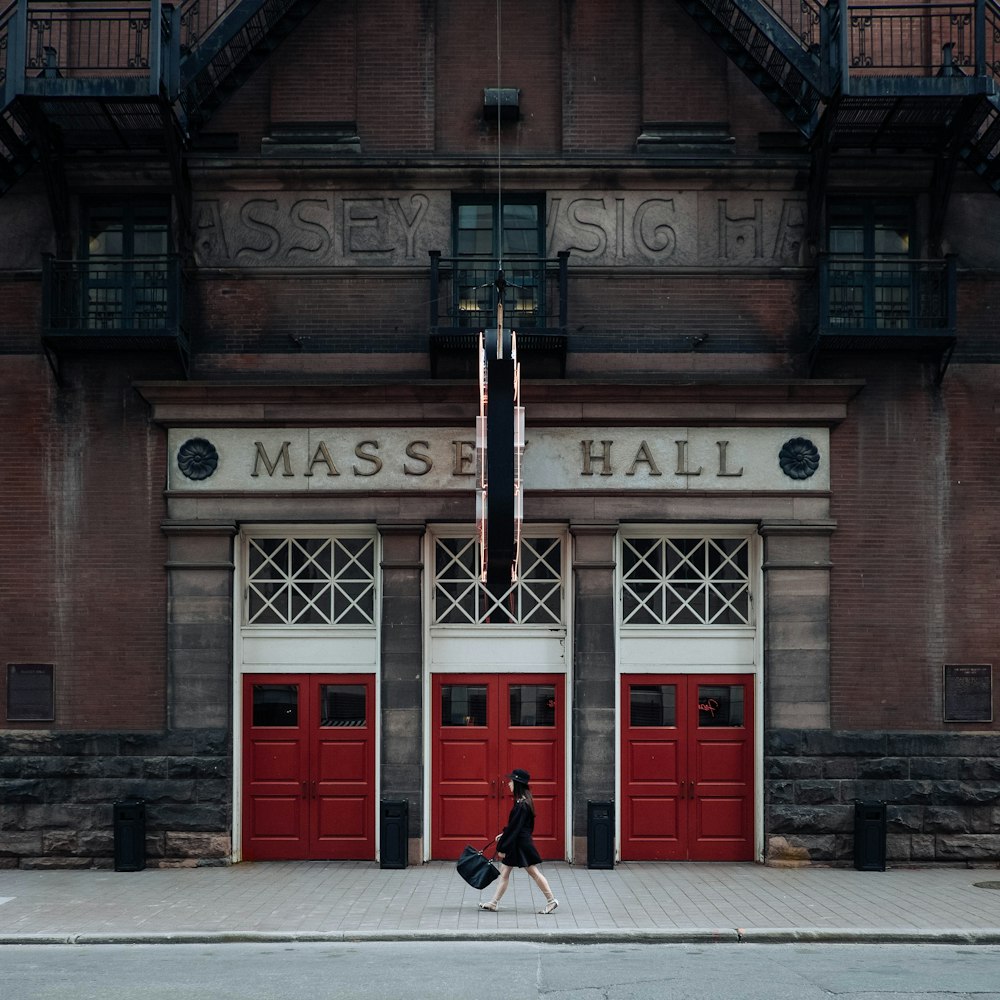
<point>275,705</point>
<point>720,705</point>
<point>653,705</point>
<point>463,705</point>
<point>533,705</point>
<point>343,705</point>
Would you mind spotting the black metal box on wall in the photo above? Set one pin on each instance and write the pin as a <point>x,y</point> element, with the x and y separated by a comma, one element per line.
<point>395,832</point>
<point>129,821</point>
<point>869,836</point>
<point>600,834</point>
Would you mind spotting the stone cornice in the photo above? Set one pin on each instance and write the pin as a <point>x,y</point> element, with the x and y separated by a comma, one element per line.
<point>684,402</point>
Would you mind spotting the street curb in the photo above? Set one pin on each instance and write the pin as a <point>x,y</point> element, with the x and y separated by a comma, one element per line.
<point>694,935</point>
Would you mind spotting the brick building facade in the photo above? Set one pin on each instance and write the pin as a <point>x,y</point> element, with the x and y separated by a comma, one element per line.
<point>752,269</point>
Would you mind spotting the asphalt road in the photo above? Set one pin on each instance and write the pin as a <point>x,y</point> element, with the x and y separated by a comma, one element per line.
<point>498,971</point>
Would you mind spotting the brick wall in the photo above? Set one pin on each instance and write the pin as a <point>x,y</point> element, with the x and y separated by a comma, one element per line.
<point>83,582</point>
<point>915,551</point>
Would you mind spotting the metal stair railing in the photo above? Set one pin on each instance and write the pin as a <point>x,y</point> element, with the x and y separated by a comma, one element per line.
<point>228,48</point>
<point>17,149</point>
<point>779,45</point>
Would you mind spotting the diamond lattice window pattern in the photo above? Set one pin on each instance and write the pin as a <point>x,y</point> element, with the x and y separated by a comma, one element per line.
<point>461,599</point>
<point>685,581</point>
<point>311,581</point>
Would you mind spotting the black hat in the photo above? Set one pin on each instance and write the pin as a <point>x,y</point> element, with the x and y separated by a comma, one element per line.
<point>519,775</point>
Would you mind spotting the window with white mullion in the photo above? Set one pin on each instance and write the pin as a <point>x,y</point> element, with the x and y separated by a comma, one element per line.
<point>310,581</point>
<point>685,581</point>
<point>460,597</point>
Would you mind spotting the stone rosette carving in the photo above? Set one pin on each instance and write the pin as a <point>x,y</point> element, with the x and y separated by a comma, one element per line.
<point>798,458</point>
<point>197,458</point>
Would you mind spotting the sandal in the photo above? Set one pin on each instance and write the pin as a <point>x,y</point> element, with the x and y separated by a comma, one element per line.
<point>550,907</point>
<point>491,905</point>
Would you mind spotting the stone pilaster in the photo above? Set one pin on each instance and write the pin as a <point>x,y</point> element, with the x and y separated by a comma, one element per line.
<point>593,673</point>
<point>797,624</point>
<point>402,664</point>
<point>199,623</point>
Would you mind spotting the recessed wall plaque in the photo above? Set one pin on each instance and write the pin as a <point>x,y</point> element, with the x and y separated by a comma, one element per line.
<point>968,692</point>
<point>30,692</point>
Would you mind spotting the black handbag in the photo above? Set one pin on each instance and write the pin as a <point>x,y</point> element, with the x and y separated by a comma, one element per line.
<point>476,868</point>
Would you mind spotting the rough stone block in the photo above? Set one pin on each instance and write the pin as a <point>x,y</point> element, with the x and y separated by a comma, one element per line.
<point>936,768</point>
<point>840,768</point>
<point>779,791</point>
<point>197,845</point>
<point>963,847</point>
<point>922,847</point>
<point>943,819</point>
<point>28,842</point>
<point>898,847</point>
<point>804,820</point>
<point>904,819</point>
<point>792,767</point>
<point>817,792</point>
<point>883,768</point>
<point>54,862</point>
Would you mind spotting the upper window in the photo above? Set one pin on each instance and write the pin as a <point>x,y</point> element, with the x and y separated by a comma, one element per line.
<point>125,275</point>
<point>870,277</point>
<point>516,242</point>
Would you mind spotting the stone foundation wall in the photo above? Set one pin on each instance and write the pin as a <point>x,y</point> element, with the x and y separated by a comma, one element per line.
<point>942,795</point>
<point>57,792</point>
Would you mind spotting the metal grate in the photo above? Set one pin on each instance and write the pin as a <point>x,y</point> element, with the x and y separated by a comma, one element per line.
<point>460,598</point>
<point>685,581</point>
<point>311,581</point>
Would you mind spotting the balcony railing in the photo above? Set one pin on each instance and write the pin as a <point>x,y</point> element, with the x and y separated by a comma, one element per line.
<point>114,302</point>
<point>897,39</point>
<point>125,49</point>
<point>463,303</point>
<point>886,301</point>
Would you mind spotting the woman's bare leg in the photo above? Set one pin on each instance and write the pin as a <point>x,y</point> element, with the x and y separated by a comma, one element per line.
<point>543,884</point>
<point>501,887</point>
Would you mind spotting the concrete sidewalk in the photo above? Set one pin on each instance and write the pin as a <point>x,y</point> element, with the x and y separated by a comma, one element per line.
<point>336,901</point>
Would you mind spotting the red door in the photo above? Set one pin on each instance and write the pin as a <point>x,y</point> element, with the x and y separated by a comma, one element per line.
<point>687,768</point>
<point>485,725</point>
<point>308,767</point>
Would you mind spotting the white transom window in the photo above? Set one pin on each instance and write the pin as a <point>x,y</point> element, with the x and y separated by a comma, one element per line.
<point>460,598</point>
<point>313,581</point>
<point>685,581</point>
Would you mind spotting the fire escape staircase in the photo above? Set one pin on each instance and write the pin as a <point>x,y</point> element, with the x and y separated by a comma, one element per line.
<point>877,75</point>
<point>123,77</point>
<point>915,76</point>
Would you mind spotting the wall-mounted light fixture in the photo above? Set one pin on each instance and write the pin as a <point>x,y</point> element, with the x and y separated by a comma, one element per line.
<point>503,103</point>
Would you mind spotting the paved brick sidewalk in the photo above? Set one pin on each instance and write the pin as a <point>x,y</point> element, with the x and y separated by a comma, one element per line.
<point>358,898</point>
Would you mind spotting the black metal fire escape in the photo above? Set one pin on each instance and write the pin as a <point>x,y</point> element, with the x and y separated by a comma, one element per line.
<point>917,77</point>
<point>142,76</point>
<point>130,81</point>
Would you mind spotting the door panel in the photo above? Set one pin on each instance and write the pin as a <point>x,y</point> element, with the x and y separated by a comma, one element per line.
<point>308,767</point>
<point>484,726</point>
<point>687,768</point>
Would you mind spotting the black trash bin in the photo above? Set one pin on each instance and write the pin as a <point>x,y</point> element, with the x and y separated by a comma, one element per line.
<point>130,835</point>
<point>600,834</point>
<point>395,833</point>
<point>869,836</point>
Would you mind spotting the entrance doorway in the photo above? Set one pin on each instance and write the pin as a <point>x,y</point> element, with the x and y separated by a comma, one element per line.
<point>483,726</point>
<point>687,767</point>
<point>308,767</point>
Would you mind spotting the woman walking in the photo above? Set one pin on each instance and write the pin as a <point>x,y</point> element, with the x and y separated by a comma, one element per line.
<point>515,848</point>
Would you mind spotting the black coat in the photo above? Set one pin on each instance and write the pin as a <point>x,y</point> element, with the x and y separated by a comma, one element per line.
<point>515,842</point>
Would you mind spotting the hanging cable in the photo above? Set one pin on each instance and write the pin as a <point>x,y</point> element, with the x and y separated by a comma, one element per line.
<point>499,161</point>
